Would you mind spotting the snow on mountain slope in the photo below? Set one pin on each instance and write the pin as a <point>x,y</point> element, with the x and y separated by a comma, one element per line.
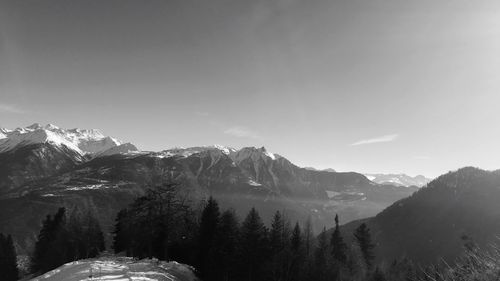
<point>398,179</point>
<point>186,152</point>
<point>122,148</point>
<point>253,153</point>
<point>81,141</point>
<point>23,138</point>
<point>120,268</point>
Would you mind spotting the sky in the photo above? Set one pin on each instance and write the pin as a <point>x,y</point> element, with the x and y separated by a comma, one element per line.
<point>379,86</point>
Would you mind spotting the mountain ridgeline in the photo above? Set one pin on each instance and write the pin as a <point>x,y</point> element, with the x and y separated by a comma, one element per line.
<point>399,179</point>
<point>394,223</point>
<point>40,174</point>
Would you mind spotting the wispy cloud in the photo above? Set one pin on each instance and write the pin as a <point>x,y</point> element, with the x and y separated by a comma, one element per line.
<point>202,113</point>
<point>8,108</point>
<point>422,157</point>
<point>242,132</point>
<point>386,138</point>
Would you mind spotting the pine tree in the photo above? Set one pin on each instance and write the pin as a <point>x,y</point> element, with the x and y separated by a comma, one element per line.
<point>321,257</point>
<point>253,245</point>
<point>92,237</point>
<point>8,259</point>
<point>46,256</point>
<point>64,239</point>
<point>296,242</point>
<point>276,235</point>
<point>277,245</point>
<point>158,224</point>
<point>226,246</point>
<point>120,234</point>
<point>363,238</point>
<point>279,240</point>
<point>208,227</point>
<point>337,243</point>
<point>296,246</point>
<point>308,270</point>
<point>308,237</point>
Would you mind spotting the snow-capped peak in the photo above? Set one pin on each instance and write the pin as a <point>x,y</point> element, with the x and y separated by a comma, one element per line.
<point>270,155</point>
<point>398,179</point>
<point>186,152</point>
<point>34,126</point>
<point>81,141</point>
<point>235,154</point>
<point>253,153</point>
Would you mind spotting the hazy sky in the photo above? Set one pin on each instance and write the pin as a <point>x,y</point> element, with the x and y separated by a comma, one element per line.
<point>368,86</point>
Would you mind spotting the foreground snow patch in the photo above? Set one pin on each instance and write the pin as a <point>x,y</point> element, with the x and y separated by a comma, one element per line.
<point>120,269</point>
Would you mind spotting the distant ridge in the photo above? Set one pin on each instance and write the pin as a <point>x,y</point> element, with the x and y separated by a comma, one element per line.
<point>399,179</point>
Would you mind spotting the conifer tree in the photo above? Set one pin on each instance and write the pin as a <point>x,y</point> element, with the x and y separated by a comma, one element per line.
<point>337,243</point>
<point>321,257</point>
<point>277,245</point>
<point>45,256</point>
<point>8,259</point>
<point>296,242</point>
<point>226,246</point>
<point>208,227</point>
<point>64,239</point>
<point>120,233</point>
<point>276,234</point>
<point>156,224</point>
<point>92,237</point>
<point>308,237</point>
<point>308,270</point>
<point>296,246</point>
<point>253,244</point>
<point>279,240</point>
<point>364,240</point>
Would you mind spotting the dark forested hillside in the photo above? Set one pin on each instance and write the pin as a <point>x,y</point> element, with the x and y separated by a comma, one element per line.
<point>456,208</point>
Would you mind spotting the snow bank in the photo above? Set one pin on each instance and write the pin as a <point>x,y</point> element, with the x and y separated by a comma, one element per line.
<point>120,269</point>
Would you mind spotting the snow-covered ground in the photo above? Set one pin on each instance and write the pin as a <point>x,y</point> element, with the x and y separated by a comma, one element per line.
<point>120,269</point>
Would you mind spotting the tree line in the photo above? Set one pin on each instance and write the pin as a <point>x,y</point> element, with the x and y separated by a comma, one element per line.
<point>161,224</point>
<point>63,237</point>
<point>8,261</point>
<point>66,237</point>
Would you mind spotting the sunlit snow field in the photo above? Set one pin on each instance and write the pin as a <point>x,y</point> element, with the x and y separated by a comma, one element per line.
<point>120,269</point>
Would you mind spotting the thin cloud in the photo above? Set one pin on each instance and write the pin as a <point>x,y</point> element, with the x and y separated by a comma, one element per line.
<point>242,132</point>
<point>386,138</point>
<point>7,108</point>
<point>202,113</point>
<point>422,157</point>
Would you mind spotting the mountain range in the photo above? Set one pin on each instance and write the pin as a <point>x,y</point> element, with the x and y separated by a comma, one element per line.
<point>45,167</point>
<point>399,179</point>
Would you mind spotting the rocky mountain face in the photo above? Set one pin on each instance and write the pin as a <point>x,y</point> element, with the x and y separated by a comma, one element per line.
<point>36,152</point>
<point>33,162</point>
<point>37,178</point>
<point>90,142</point>
<point>436,221</point>
<point>399,179</point>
